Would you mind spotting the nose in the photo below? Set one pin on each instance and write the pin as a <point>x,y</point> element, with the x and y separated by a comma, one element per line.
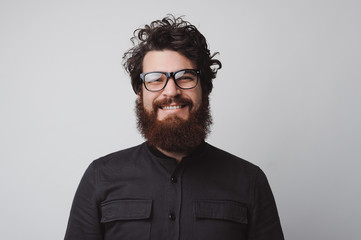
<point>171,89</point>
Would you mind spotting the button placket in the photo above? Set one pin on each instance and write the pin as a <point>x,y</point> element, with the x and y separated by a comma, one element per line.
<point>174,204</point>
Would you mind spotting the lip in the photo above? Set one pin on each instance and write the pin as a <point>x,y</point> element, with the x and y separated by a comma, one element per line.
<point>172,110</point>
<point>172,107</point>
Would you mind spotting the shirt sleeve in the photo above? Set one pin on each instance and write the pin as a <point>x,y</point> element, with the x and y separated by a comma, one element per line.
<point>84,220</point>
<point>265,223</point>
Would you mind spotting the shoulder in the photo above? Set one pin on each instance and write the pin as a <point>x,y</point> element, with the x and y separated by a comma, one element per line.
<point>228,160</point>
<point>121,157</point>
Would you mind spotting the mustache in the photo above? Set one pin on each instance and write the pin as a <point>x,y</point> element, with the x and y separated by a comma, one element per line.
<point>175,100</point>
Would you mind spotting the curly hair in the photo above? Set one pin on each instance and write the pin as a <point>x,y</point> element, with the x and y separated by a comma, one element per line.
<point>175,34</point>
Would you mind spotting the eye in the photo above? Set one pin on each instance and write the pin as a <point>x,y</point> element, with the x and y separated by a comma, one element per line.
<point>154,77</point>
<point>186,75</point>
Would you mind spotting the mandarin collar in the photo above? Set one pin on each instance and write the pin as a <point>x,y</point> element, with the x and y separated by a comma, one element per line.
<point>171,164</point>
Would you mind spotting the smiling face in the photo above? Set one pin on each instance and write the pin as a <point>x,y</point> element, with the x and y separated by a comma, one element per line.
<point>171,101</point>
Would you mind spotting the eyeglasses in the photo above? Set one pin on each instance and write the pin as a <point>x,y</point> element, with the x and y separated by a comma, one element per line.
<point>184,79</point>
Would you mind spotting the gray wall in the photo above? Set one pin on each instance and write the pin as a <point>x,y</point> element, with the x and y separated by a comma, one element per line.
<point>288,99</point>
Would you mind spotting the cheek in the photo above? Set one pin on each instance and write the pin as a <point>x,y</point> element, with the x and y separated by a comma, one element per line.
<point>148,100</point>
<point>147,105</point>
<point>197,98</point>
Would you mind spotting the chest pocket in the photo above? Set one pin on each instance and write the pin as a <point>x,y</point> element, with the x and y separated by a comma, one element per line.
<point>126,219</point>
<point>219,219</point>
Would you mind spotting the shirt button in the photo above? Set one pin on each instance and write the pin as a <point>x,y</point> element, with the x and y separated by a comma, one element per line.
<point>171,216</point>
<point>173,179</point>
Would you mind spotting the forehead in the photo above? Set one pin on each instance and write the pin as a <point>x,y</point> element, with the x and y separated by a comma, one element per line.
<point>165,61</point>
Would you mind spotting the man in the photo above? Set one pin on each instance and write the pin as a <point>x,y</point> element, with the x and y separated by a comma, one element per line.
<point>175,185</point>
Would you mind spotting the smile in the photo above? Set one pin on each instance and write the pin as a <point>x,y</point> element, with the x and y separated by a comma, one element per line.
<point>171,107</point>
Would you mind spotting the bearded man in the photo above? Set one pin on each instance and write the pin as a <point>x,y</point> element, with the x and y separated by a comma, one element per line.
<point>175,185</point>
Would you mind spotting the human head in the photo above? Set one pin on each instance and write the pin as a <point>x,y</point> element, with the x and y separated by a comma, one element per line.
<point>175,34</point>
<point>179,131</point>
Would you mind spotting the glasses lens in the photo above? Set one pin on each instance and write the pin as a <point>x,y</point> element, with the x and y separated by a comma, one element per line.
<point>155,81</point>
<point>186,78</point>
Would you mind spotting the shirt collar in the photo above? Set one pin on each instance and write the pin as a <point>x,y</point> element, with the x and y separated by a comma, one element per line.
<point>170,163</point>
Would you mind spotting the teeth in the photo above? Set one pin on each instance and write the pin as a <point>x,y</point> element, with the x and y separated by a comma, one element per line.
<point>171,107</point>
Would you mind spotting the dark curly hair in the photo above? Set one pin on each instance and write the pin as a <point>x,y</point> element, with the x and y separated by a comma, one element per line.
<point>175,34</point>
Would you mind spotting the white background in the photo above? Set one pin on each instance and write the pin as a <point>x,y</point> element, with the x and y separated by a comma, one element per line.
<point>287,99</point>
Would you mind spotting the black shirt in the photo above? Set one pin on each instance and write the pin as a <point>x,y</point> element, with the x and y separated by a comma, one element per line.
<point>140,194</point>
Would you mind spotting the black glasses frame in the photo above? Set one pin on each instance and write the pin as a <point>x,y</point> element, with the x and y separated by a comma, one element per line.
<point>170,75</point>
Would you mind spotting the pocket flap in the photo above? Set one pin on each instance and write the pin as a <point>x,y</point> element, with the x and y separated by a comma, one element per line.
<point>219,209</point>
<point>126,210</point>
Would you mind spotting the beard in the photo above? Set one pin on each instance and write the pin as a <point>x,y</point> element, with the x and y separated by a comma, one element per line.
<point>174,134</point>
